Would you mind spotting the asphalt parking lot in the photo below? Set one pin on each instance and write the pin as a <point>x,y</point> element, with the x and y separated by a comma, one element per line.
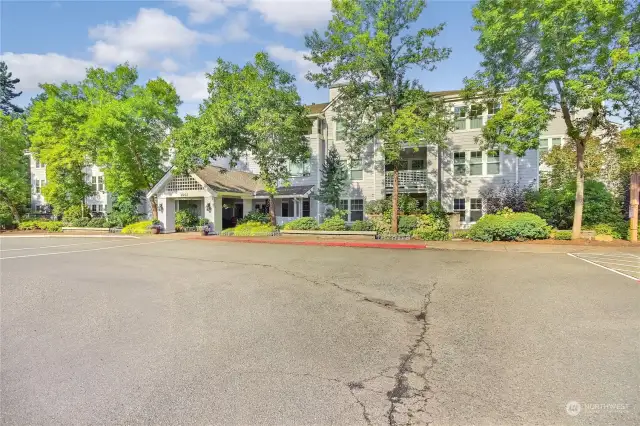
<point>161,331</point>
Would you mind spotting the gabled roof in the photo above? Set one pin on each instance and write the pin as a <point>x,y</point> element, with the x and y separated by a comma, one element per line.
<point>316,108</point>
<point>288,191</point>
<point>223,180</point>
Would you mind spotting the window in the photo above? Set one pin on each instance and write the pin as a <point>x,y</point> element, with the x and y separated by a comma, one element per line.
<point>475,163</point>
<point>100,207</point>
<point>356,169</point>
<point>100,183</point>
<point>492,108</point>
<point>39,184</point>
<point>556,142</point>
<point>476,209</point>
<point>476,117</point>
<point>493,162</point>
<point>417,164</point>
<point>339,130</point>
<point>306,208</point>
<point>344,205</point>
<point>357,210</point>
<point>460,114</point>
<point>300,169</point>
<point>94,208</point>
<point>285,208</point>
<point>459,164</point>
<point>38,165</point>
<point>543,147</point>
<point>94,183</point>
<point>460,207</point>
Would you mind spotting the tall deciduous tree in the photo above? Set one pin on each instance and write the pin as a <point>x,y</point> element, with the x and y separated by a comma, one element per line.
<point>576,57</point>
<point>14,183</point>
<point>332,180</point>
<point>255,110</point>
<point>370,46</point>
<point>7,91</point>
<point>105,120</point>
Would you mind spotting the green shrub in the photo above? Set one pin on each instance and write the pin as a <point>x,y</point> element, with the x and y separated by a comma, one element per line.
<point>250,229</point>
<point>462,234</point>
<point>335,223</point>
<point>377,207</point>
<point>186,218</point>
<point>80,222</point>
<point>302,224</point>
<point>203,221</point>
<point>124,211</point>
<point>561,234</point>
<point>606,229</point>
<point>255,216</point>
<point>143,227</point>
<point>43,225</point>
<point>98,222</point>
<point>363,225</point>
<point>431,227</point>
<point>406,224</point>
<point>429,234</point>
<point>76,212</point>
<point>509,227</point>
<point>407,204</point>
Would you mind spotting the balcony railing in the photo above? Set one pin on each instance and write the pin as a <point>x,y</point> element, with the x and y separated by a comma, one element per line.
<point>408,181</point>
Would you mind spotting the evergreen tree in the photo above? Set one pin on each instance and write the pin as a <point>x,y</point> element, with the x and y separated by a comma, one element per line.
<point>7,91</point>
<point>334,176</point>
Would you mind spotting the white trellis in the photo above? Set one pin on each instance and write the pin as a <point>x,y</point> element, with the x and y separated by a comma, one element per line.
<point>183,183</point>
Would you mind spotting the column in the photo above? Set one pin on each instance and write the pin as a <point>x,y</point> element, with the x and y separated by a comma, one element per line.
<point>217,214</point>
<point>295,207</point>
<point>167,214</point>
<point>208,209</point>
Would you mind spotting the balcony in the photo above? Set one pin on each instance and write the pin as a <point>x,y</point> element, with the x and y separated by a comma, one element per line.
<point>408,181</point>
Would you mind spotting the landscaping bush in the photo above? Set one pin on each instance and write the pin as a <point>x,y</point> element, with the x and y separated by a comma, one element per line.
<point>335,223</point>
<point>561,234</point>
<point>363,225</point>
<point>606,229</point>
<point>43,225</point>
<point>406,224</point>
<point>80,222</point>
<point>143,227</point>
<point>255,216</point>
<point>377,207</point>
<point>431,227</point>
<point>98,222</point>
<point>508,226</point>
<point>462,234</point>
<point>250,229</point>
<point>302,224</point>
<point>203,221</point>
<point>76,212</point>
<point>407,204</point>
<point>508,195</point>
<point>124,211</point>
<point>186,218</point>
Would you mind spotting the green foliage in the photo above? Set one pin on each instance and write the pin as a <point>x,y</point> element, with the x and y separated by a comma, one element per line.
<point>252,109</point>
<point>333,178</point>
<point>76,212</point>
<point>80,222</point>
<point>14,170</point>
<point>556,204</point>
<point>124,211</point>
<point>509,227</point>
<point>108,120</point>
<point>143,227</point>
<point>381,206</point>
<point>98,222</point>
<point>186,218</point>
<point>8,92</point>
<point>462,234</point>
<point>608,229</point>
<point>255,216</point>
<point>43,225</point>
<point>203,221</point>
<point>372,48</point>
<point>562,161</point>
<point>363,225</point>
<point>406,224</point>
<point>561,235</point>
<point>508,195</point>
<point>302,224</point>
<point>432,227</point>
<point>250,229</point>
<point>335,223</point>
<point>407,204</point>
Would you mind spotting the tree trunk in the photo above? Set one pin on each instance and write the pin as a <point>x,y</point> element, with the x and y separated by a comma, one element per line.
<point>394,208</point>
<point>154,207</point>
<point>14,212</point>
<point>577,214</point>
<point>272,210</point>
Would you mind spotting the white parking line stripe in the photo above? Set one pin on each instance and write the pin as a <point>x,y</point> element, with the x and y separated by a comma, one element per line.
<point>80,251</point>
<point>604,267</point>
<point>615,263</point>
<point>607,255</point>
<point>627,270</point>
<point>59,245</point>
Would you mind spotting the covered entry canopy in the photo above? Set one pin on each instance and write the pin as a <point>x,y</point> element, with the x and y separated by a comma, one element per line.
<point>209,185</point>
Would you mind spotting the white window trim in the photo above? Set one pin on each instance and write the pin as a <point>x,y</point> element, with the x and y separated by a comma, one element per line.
<point>349,200</point>
<point>467,165</point>
<point>485,116</point>
<point>351,169</point>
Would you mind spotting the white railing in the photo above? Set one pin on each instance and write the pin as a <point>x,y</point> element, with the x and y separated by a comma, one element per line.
<point>408,180</point>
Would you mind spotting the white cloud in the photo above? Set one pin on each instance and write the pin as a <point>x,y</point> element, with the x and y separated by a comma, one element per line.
<point>206,10</point>
<point>236,28</point>
<point>294,16</point>
<point>135,41</point>
<point>191,87</point>
<point>293,56</point>
<point>33,69</point>
<point>169,65</point>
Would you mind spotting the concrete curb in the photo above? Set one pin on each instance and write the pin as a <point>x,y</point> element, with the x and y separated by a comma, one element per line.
<point>358,244</point>
<point>68,236</point>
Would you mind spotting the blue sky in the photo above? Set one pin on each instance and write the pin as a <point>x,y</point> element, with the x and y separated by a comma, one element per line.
<point>55,41</point>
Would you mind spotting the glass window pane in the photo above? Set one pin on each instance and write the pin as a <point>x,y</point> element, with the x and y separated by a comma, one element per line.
<point>459,170</point>
<point>356,174</point>
<point>357,215</point>
<point>556,142</point>
<point>476,203</point>
<point>460,111</point>
<point>475,215</point>
<point>475,169</point>
<point>306,208</point>
<point>493,168</point>
<point>344,205</point>
<point>475,123</point>
<point>458,158</point>
<point>339,130</point>
<point>459,204</point>
<point>357,205</point>
<point>461,124</point>
<point>417,164</point>
<point>475,157</point>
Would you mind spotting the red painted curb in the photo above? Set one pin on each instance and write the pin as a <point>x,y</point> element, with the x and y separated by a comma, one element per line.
<point>405,246</point>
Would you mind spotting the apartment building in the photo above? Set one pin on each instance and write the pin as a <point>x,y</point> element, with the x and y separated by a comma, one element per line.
<point>454,174</point>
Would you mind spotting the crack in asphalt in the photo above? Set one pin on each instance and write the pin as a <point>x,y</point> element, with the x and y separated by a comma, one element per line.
<point>406,400</point>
